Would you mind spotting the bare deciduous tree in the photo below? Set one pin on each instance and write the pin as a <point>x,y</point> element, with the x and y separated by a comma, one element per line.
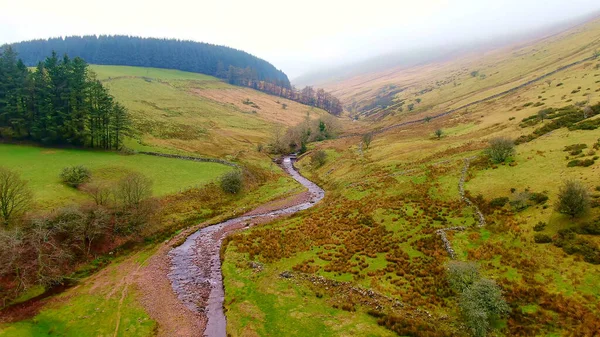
<point>133,189</point>
<point>14,195</point>
<point>99,191</point>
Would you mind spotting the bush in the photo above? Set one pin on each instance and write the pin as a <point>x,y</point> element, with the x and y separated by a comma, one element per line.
<point>575,152</point>
<point>232,182</point>
<point>590,228</point>
<point>575,147</point>
<point>462,275</point>
<point>539,227</point>
<point>538,198</point>
<point>318,159</point>
<point>520,202</point>
<point>481,302</point>
<point>573,199</point>
<point>542,238</point>
<point>75,175</point>
<point>500,149</point>
<point>367,138</point>
<point>581,162</point>
<point>499,202</point>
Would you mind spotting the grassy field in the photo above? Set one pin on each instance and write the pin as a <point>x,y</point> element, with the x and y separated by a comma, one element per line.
<point>106,304</point>
<point>41,167</point>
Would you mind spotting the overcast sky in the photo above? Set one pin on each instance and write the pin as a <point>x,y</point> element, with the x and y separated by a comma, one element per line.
<point>296,36</point>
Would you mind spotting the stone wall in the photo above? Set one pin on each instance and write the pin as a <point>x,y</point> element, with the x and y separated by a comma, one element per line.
<point>198,159</point>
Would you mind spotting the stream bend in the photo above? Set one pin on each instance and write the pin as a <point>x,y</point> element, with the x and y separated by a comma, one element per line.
<point>195,273</point>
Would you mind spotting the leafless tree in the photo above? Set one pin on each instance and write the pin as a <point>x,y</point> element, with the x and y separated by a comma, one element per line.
<point>15,195</point>
<point>99,191</point>
<point>133,189</point>
<point>51,258</point>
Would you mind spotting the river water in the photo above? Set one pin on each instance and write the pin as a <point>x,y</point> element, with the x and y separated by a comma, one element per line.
<point>195,273</point>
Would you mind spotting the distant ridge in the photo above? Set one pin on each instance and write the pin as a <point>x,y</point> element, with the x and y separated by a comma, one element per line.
<point>183,55</point>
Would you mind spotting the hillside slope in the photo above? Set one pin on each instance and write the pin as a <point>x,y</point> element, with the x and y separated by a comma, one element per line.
<point>401,207</point>
<point>437,87</point>
<point>197,113</point>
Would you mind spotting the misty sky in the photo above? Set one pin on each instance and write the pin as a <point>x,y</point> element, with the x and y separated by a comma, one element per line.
<point>296,36</point>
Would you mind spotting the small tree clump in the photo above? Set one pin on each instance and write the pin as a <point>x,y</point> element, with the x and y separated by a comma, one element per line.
<point>318,159</point>
<point>133,189</point>
<point>232,182</point>
<point>75,175</point>
<point>367,138</point>
<point>439,133</point>
<point>15,195</point>
<point>573,199</point>
<point>500,149</point>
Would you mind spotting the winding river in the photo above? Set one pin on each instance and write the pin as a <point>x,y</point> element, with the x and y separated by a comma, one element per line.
<point>195,273</point>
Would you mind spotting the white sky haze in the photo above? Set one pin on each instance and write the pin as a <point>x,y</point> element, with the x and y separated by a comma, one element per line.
<point>297,36</point>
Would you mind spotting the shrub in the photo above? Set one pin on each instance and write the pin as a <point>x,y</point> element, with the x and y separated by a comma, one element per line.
<point>481,302</point>
<point>439,133</point>
<point>539,227</point>
<point>499,202</point>
<point>462,275</point>
<point>75,175</point>
<point>581,162</point>
<point>590,228</point>
<point>232,182</point>
<point>573,199</point>
<point>575,152</point>
<point>575,147</point>
<point>367,138</point>
<point>520,201</point>
<point>542,238</point>
<point>500,149</point>
<point>538,198</point>
<point>318,159</point>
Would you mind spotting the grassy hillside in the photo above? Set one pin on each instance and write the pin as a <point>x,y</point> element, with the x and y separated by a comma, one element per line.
<point>373,240</point>
<point>437,87</point>
<point>189,112</point>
